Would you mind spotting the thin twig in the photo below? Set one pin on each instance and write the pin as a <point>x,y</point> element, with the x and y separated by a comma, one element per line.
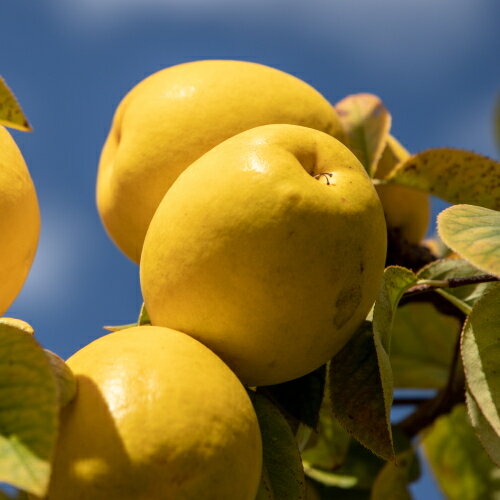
<point>428,285</point>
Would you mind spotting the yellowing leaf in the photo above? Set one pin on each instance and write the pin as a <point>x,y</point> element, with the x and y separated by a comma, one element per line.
<point>17,324</point>
<point>11,114</point>
<point>66,381</point>
<point>455,175</point>
<point>422,346</point>
<point>488,437</point>
<point>481,355</point>
<point>28,411</point>
<point>283,475</point>
<point>474,233</point>
<point>462,468</point>
<point>366,123</point>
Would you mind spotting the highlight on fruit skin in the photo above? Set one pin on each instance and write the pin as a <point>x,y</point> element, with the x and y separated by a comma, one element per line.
<point>406,210</point>
<point>156,415</point>
<point>19,220</point>
<point>262,258</point>
<point>174,116</point>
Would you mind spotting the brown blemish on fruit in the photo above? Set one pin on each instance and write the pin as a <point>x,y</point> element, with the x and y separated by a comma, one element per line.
<point>346,304</point>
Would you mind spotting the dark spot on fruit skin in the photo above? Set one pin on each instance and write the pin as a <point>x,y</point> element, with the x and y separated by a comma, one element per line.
<point>346,304</point>
<point>361,268</point>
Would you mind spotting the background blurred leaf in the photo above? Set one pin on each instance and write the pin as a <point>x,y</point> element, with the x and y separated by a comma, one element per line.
<point>461,466</point>
<point>456,268</point>
<point>359,393</point>
<point>358,469</point>
<point>28,412</point>
<point>455,175</point>
<point>301,397</point>
<point>327,447</point>
<point>392,481</point>
<point>283,475</point>
<point>366,123</point>
<point>422,346</point>
<point>488,437</point>
<point>11,114</point>
<point>481,355</point>
<point>474,233</point>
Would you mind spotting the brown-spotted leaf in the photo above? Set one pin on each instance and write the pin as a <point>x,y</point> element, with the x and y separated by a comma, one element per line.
<point>366,123</point>
<point>454,175</point>
<point>28,411</point>
<point>474,233</point>
<point>460,465</point>
<point>488,437</point>
<point>481,355</point>
<point>360,388</point>
<point>11,114</point>
<point>283,475</point>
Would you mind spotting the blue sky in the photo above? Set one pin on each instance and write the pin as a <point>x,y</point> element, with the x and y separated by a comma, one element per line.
<point>434,63</point>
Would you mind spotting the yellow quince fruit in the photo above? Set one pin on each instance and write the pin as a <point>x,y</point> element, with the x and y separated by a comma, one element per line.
<point>406,210</point>
<point>19,220</point>
<point>269,249</point>
<point>174,116</point>
<point>157,416</point>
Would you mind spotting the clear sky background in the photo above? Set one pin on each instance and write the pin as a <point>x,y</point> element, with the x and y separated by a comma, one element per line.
<point>435,64</point>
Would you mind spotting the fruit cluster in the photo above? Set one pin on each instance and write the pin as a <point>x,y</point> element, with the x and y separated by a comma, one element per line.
<point>261,241</point>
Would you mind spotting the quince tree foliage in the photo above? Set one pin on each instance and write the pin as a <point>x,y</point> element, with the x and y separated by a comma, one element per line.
<point>431,343</point>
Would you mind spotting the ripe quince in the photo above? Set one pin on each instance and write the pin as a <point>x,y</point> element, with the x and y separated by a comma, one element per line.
<point>269,249</point>
<point>157,415</point>
<point>174,116</point>
<point>19,220</point>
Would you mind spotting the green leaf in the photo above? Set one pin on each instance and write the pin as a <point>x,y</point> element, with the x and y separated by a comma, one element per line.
<point>66,381</point>
<point>394,284</point>
<point>445,269</point>
<point>117,328</point>
<point>422,346</point>
<point>461,466</point>
<point>366,123</point>
<point>301,398</point>
<point>474,233</point>
<point>455,175</point>
<point>28,411</point>
<point>283,475</point>
<point>488,437</point>
<point>11,114</point>
<point>143,316</point>
<point>142,320</point>
<point>360,394</point>
<point>481,355</point>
